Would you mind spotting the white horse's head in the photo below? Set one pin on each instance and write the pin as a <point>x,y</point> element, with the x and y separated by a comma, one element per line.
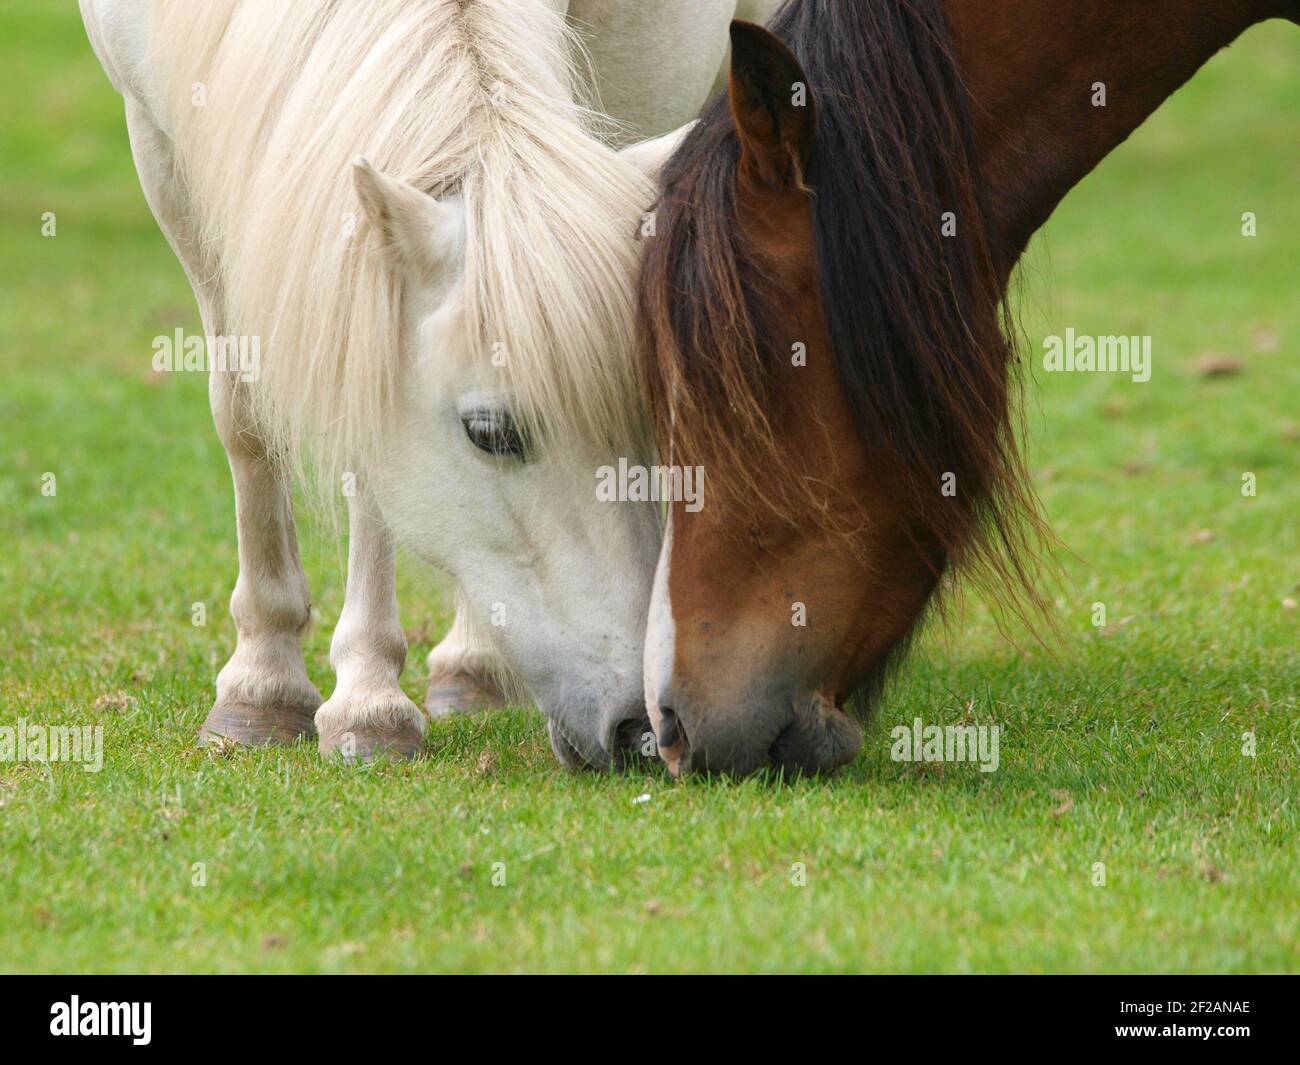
<point>491,475</point>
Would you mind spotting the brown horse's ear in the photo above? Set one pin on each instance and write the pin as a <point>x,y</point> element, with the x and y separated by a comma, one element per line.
<point>772,106</point>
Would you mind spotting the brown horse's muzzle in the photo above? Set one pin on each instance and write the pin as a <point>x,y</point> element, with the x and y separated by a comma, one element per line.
<point>804,736</point>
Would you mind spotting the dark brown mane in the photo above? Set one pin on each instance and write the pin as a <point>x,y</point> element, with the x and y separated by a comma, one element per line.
<point>921,340</point>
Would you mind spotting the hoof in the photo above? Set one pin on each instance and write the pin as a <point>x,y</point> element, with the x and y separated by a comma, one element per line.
<point>368,743</point>
<point>256,726</point>
<point>363,726</point>
<point>461,693</point>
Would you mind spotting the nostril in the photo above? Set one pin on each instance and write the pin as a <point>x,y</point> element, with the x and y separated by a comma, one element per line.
<point>630,733</point>
<point>670,729</point>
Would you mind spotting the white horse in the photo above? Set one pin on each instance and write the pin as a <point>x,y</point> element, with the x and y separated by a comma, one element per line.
<point>458,366</point>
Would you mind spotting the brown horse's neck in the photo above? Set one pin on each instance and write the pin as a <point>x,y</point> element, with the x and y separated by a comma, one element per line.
<point>1033,70</point>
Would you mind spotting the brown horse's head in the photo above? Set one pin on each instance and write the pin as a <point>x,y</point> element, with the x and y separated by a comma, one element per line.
<point>824,340</point>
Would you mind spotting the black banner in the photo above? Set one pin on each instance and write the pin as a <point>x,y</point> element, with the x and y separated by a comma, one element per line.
<point>146,1013</point>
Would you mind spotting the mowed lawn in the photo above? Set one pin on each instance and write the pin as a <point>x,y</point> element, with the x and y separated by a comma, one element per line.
<point>1121,746</point>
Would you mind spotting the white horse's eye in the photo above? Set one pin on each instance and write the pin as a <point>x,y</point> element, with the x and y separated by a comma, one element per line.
<point>494,432</point>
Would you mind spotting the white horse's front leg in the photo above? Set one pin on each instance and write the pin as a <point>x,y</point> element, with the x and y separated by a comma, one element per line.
<point>263,692</point>
<point>369,714</point>
<point>466,673</point>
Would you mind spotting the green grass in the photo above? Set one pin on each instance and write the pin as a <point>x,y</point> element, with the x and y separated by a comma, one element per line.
<point>1122,748</point>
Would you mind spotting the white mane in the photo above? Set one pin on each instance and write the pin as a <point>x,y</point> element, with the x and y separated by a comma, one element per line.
<point>474,96</point>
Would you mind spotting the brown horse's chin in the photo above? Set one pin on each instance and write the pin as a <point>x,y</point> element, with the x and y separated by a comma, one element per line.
<point>819,740</point>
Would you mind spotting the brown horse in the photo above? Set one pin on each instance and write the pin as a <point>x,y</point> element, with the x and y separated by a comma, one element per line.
<point>824,308</point>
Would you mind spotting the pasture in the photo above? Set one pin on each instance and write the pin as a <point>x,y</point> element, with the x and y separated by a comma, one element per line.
<point>1122,745</point>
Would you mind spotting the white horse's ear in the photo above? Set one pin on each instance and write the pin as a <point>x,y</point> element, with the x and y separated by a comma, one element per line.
<point>649,156</point>
<point>421,233</point>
